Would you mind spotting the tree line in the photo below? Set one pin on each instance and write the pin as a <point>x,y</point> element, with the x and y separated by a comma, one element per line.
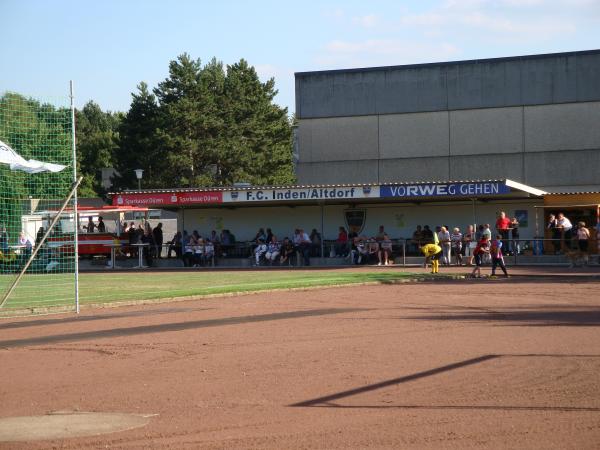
<point>204,125</point>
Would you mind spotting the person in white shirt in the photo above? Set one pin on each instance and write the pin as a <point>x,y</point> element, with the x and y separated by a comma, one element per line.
<point>303,245</point>
<point>198,253</point>
<point>565,225</point>
<point>209,252</point>
<point>444,238</point>
<point>273,250</point>
<point>260,250</point>
<point>385,250</point>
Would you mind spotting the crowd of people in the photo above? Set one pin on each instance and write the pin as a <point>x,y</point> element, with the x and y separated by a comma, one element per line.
<point>473,246</point>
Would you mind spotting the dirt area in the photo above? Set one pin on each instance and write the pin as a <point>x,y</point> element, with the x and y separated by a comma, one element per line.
<point>458,364</point>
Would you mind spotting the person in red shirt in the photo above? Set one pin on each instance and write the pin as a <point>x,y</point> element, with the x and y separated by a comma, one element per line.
<point>482,248</point>
<point>341,244</point>
<point>503,225</point>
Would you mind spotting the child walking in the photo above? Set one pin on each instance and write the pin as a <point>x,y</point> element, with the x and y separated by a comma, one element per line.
<point>482,248</point>
<point>497,258</point>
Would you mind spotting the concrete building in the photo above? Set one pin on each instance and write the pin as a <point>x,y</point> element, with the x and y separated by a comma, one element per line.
<point>533,119</point>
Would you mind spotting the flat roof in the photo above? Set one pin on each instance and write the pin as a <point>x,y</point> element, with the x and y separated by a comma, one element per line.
<point>404,192</point>
<point>449,63</point>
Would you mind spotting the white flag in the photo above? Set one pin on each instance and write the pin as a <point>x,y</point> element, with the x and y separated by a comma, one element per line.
<point>17,162</point>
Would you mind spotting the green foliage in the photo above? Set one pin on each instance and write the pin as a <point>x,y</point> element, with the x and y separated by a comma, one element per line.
<point>97,143</point>
<point>35,131</point>
<point>206,126</point>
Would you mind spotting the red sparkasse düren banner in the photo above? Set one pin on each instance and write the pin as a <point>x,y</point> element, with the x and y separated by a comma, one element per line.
<point>168,199</point>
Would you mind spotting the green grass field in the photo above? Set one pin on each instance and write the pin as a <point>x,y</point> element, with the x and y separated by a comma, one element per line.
<point>41,291</point>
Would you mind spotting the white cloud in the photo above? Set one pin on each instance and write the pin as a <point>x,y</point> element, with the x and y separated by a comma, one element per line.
<point>368,21</point>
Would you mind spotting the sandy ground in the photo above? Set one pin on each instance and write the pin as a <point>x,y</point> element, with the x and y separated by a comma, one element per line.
<point>462,364</point>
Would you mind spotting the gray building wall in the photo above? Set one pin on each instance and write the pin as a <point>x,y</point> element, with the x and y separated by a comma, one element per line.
<point>532,119</point>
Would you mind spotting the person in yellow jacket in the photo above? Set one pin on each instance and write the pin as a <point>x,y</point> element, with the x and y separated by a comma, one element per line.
<point>434,252</point>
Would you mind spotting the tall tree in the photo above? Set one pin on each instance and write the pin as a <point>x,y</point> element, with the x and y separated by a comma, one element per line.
<point>138,146</point>
<point>206,126</point>
<point>97,142</point>
<point>258,132</point>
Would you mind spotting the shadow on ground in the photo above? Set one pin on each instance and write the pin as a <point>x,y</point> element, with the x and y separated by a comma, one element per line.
<point>327,401</point>
<point>539,316</point>
<point>169,327</point>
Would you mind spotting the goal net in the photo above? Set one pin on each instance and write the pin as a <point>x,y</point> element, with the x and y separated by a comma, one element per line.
<point>37,260</point>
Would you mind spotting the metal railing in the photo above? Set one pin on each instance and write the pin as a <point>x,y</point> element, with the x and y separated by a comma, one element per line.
<point>514,250</point>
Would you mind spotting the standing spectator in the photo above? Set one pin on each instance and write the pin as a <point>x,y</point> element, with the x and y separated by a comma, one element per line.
<point>4,238</point>
<point>427,235</point>
<point>26,246</point>
<point>148,238</point>
<point>101,226</point>
<point>552,225</point>
<point>444,239</point>
<point>214,238</point>
<point>133,239</point>
<point>417,238</point>
<point>315,242</point>
<point>469,244</point>
<point>175,245</point>
<point>227,242</point>
<point>565,227</point>
<point>158,239</point>
<point>479,233</point>
<point>90,225</point>
<point>514,229</point>
<point>273,250</point>
<point>456,240</point>
<point>304,246</point>
<point>583,236</point>
<point>385,250</point>
<point>496,254</point>
<point>503,225</point>
<point>341,244</point>
<point>487,232</point>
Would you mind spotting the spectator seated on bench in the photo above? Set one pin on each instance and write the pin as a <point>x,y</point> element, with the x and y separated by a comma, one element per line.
<point>273,250</point>
<point>359,252</point>
<point>188,252</point>
<point>259,251</point>
<point>287,251</point>
<point>209,253</point>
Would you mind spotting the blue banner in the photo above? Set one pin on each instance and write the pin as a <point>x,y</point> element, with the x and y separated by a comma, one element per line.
<point>444,190</point>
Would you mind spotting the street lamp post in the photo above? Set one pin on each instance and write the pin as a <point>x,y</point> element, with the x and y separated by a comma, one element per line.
<point>138,174</point>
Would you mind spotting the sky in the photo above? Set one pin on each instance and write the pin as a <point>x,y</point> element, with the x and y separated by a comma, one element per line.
<point>108,47</point>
